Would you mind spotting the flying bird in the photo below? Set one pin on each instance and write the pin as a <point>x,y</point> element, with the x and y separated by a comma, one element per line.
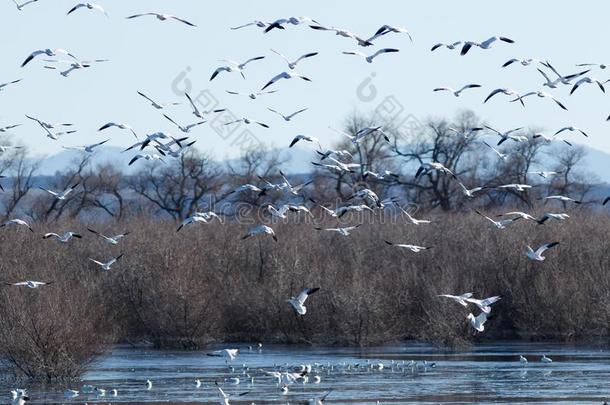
<point>457,93</point>
<point>87,148</point>
<point>234,67</point>
<point>487,44</point>
<point>571,129</point>
<point>484,304</point>
<point>153,102</point>
<point>107,265</point>
<point>537,254</point>
<point>298,302</point>
<point>289,117</point>
<point>65,238</point>
<point>185,129</point>
<point>162,17</point>
<point>60,195</point>
<point>31,284</point>
<point>499,224</point>
<point>478,322</point>
<point>345,231</point>
<point>18,222</point>
<point>540,94</point>
<point>460,299</point>
<point>306,138</point>
<point>47,52</point>
<point>4,85</point>
<point>112,240</point>
<point>285,75</point>
<point>589,80</point>
<point>88,6</point>
<point>145,156</point>
<point>451,46</point>
<point>412,248</point>
<point>260,230</point>
<point>370,58</point>
<point>508,92</point>
<point>293,64</point>
<point>504,136</point>
<point>119,126</point>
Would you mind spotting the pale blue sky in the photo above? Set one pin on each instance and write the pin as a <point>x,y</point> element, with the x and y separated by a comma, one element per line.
<point>147,55</point>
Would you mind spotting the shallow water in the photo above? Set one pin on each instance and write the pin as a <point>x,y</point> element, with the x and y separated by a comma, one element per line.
<point>485,374</point>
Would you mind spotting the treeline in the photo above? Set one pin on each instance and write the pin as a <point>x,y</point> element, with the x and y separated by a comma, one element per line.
<point>205,284</point>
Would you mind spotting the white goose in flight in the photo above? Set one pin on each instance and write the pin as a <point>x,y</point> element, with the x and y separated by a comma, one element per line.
<point>466,132</point>
<point>289,117</point>
<point>247,121</point>
<point>234,67</point>
<point>499,224</point>
<point>65,238</point>
<point>146,156</point>
<point>478,322</point>
<point>298,302</point>
<point>487,44</point>
<point>411,219</point>
<point>451,46</point>
<point>504,136</point>
<point>520,214</point>
<point>280,22</point>
<point>549,139</point>
<point>88,6</point>
<point>18,222</point>
<point>47,52</point>
<point>345,231</point>
<point>572,129</point>
<point>522,62</point>
<point>552,215</point>
<point>370,58</point>
<point>505,91</point>
<point>516,187</point>
<point>108,265</point>
<point>501,155</point>
<point>260,230</point>
<point>460,299</point>
<point>199,113</point>
<point>470,193</point>
<point>112,240</point>
<point>87,148</point>
<point>253,95</point>
<point>484,304</point>
<point>540,94</point>
<point>562,198</point>
<point>589,80</point>
<point>119,126</point>
<point>8,128</point>
<point>293,64</point>
<point>20,8</point>
<point>185,129</point>
<point>162,17</point>
<point>4,85</point>
<point>386,29</point>
<point>30,284</point>
<point>192,220</point>
<point>561,79</point>
<point>60,195</point>
<point>537,254</point>
<point>258,23</point>
<point>343,33</point>
<point>432,166</point>
<point>285,75</point>
<point>412,248</point>
<point>457,93</point>
<point>153,103</point>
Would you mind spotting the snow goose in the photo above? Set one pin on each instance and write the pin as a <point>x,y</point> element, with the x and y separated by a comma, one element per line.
<point>345,231</point>
<point>112,240</point>
<point>162,17</point>
<point>545,359</point>
<point>522,62</point>
<point>289,117</point>
<point>298,302</point>
<point>199,113</point>
<point>47,52</point>
<point>540,94</point>
<point>457,93</point>
<point>65,238</point>
<point>253,95</point>
<point>502,156</point>
<point>87,148</point>
<point>516,187</point>
<point>460,299</point>
<point>60,195</point>
<point>18,222</point>
<point>227,354</point>
<point>191,220</point>
<point>478,322</point>
<point>145,156</point>
<point>293,64</point>
<point>258,23</point>
<point>537,254</point>
<point>20,7</point>
<point>343,33</point>
<point>4,85</point>
<point>260,230</point>
<point>567,80</point>
<point>549,139</point>
<point>247,121</point>
<point>504,136</point>
<point>561,198</point>
<point>551,215</point>
<point>88,6</point>
<point>411,219</point>
<point>470,193</point>
<point>31,284</point>
<point>589,80</point>
<point>386,29</point>
<point>280,22</point>
<point>370,58</point>
<point>119,126</point>
<point>285,75</point>
<point>484,304</point>
<point>412,248</point>
<point>108,265</point>
<point>505,91</point>
<point>185,129</point>
<point>465,133</point>
<point>520,214</point>
<point>153,103</point>
<point>432,166</point>
<point>234,67</point>
<point>451,46</point>
<point>499,224</point>
<point>487,44</point>
<point>571,129</point>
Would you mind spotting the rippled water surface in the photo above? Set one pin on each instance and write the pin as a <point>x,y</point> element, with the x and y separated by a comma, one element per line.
<point>485,374</point>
